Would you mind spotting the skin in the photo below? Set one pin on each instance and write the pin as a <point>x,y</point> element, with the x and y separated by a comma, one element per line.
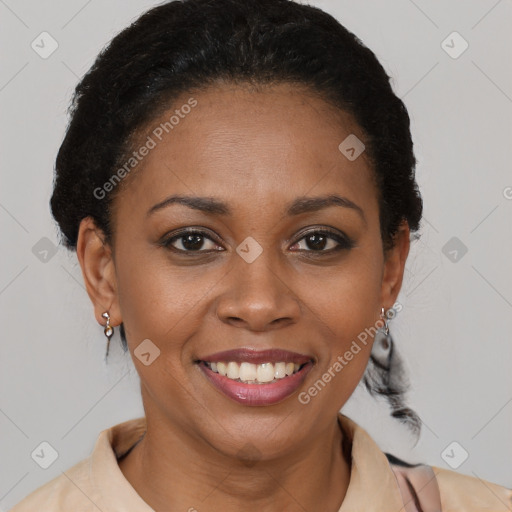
<point>255,150</point>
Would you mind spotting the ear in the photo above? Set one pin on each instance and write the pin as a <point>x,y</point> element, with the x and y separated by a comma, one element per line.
<point>98,271</point>
<point>394,266</point>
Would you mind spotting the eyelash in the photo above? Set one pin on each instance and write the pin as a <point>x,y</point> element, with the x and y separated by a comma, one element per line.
<point>345,243</point>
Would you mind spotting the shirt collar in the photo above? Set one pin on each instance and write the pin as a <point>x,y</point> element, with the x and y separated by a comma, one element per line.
<point>372,487</point>
<point>114,492</point>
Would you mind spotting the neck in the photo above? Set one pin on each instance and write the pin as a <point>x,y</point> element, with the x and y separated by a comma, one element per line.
<point>173,472</point>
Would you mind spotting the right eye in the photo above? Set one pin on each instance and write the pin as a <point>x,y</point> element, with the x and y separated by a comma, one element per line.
<point>190,241</point>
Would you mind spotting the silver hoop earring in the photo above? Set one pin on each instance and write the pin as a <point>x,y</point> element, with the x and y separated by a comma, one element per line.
<point>382,344</point>
<point>109,330</point>
<point>384,316</point>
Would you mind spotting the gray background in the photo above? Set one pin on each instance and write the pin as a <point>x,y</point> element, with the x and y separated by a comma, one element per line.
<point>455,327</point>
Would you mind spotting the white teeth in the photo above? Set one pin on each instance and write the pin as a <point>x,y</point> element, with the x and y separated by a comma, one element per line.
<point>247,372</point>
<point>233,371</point>
<point>221,368</point>
<point>265,372</point>
<point>254,373</point>
<point>279,370</point>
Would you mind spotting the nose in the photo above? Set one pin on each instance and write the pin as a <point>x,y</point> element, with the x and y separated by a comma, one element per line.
<point>258,297</point>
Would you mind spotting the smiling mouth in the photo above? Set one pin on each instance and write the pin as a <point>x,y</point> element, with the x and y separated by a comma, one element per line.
<point>250,373</point>
<point>256,377</point>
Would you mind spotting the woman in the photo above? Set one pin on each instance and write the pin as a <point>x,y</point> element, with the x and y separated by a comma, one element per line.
<point>238,182</point>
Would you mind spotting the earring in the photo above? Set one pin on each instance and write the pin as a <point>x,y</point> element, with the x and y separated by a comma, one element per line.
<point>109,330</point>
<point>382,343</point>
<point>384,316</point>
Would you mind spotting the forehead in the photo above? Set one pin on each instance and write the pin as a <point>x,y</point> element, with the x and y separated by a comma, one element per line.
<point>241,143</point>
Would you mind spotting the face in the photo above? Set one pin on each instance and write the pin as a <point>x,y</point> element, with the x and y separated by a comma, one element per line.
<point>256,265</point>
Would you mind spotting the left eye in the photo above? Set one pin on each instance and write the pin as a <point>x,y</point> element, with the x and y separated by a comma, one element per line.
<point>324,241</point>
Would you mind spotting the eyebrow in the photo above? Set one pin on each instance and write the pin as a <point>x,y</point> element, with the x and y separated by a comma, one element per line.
<point>296,207</point>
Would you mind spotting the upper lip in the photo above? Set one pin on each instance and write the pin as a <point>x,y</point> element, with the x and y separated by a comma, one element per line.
<point>258,356</point>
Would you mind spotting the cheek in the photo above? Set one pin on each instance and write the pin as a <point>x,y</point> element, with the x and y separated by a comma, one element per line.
<point>151,301</point>
<point>163,303</point>
<point>346,309</point>
<point>156,307</point>
<point>347,300</point>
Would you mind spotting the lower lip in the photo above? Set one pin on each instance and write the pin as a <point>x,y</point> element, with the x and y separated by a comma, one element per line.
<point>257,394</point>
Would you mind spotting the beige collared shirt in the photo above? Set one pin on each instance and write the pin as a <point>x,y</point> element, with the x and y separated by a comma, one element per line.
<point>96,484</point>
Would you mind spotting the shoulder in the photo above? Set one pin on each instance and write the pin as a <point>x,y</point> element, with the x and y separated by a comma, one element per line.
<point>463,492</point>
<point>64,492</point>
<point>95,483</point>
<point>448,490</point>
